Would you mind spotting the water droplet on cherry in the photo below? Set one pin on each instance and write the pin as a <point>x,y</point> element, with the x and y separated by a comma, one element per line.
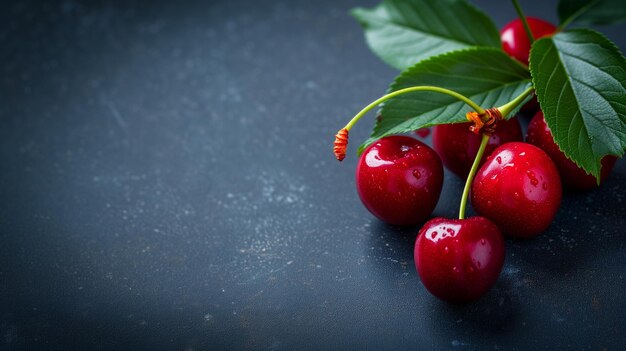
<point>417,174</point>
<point>531,176</point>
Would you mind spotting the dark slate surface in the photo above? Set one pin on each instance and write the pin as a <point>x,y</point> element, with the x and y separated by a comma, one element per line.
<point>167,183</point>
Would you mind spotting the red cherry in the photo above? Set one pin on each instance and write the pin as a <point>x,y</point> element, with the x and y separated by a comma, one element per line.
<point>457,145</point>
<point>519,189</point>
<point>515,41</point>
<point>573,177</point>
<point>399,180</point>
<point>458,260</point>
<point>423,132</point>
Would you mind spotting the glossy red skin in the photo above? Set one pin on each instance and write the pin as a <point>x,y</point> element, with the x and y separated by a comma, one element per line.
<point>423,132</point>
<point>458,260</point>
<point>519,189</point>
<point>399,180</point>
<point>572,176</point>
<point>457,145</point>
<point>531,106</point>
<point>515,41</point>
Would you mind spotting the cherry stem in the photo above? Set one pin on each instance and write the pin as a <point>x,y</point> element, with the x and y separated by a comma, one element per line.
<point>386,97</point>
<point>505,110</point>
<point>521,16</point>
<point>472,173</point>
<point>575,15</point>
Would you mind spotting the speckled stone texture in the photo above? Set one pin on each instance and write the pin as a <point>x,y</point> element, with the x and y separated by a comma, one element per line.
<point>168,183</point>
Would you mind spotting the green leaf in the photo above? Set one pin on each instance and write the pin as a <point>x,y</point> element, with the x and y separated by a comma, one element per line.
<point>580,80</point>
<point>487,76</point>
<point>404,32</point>
<point>592,11</point>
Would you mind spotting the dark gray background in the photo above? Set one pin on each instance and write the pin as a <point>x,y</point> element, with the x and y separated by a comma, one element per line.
<point>167,183</point>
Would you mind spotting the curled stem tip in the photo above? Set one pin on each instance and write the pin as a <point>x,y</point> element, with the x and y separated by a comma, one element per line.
<point>341,144</point>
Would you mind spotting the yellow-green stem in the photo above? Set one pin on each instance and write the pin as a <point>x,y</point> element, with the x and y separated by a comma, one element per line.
<point>472,173</point>
<point>506,109</point>
<point>386,97</point>
<point>520,14</point>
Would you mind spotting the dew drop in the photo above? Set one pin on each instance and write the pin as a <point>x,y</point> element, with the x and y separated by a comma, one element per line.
<point>499,160</point>
<point>531,176</point>
<point>455,269</point>
<point>446,249</point>
<point>470,269</point>
<point>489,203</point>
<point>522,153</point>
<point>417,174</point>
<point>483,241</point>
<point>433,235</point>
<point>545,186</point>
<point>516,195</point>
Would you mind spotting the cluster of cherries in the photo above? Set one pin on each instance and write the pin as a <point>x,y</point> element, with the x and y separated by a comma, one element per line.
<point>516,191</point>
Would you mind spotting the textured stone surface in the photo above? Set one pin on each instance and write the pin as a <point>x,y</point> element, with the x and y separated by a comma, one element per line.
<point>168,182</point>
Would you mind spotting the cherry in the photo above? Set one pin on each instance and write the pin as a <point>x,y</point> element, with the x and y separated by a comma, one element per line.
<point>399,180</point>
<point>519,189</point>
<point>515,43</point>
<point>423,132</point>
<point>515,40</point>
<point>573,177</point>
<point>458,260</point>
<point>457,145</point>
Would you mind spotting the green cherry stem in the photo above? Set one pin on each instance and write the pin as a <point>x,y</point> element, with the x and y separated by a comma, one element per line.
<point>386,97</point>
<point>472,173</point>
<point>341,138</point>
<point>521,16</point>
<point>575,15</point>
<point>505,110</point>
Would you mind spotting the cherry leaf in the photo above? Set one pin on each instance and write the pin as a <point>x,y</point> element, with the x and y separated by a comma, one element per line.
<point>404,32</point>
<point>592,11</point>
<point>487,76</point>
<point>580,80</point>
